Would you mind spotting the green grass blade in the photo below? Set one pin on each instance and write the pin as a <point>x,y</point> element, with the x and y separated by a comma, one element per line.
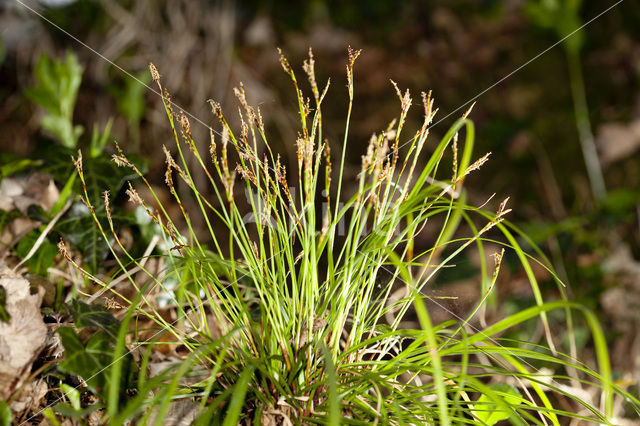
<point>438,376</point>
<point>335,409</point>
<point>238,398</point>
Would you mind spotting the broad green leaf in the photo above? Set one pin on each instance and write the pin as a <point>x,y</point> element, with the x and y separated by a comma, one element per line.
<point>51,416</point>
<point>70,73</point>
<point>72,394</point>
<point>96,360</point>
<point>91,362</point>
<point>71,342</point>
<point>85,315</point>
<point>43,98</point>
<point>486,409</point>
<point>62,129</point>
<point>80,413</point>
<point>79,228</point>
<point>56,91</point>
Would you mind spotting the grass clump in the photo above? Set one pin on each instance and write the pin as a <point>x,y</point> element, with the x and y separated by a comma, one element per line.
<point>291,316</point>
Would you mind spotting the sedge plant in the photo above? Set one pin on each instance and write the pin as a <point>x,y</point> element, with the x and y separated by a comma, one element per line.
<point>290,311</point>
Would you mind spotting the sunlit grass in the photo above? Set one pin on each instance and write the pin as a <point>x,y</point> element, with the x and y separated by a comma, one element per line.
<point>286,311</point>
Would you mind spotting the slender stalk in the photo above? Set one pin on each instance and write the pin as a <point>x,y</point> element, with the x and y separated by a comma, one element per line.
<point>583,124</point>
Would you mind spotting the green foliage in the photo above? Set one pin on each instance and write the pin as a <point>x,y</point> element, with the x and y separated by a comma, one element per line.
<point>73,395</point>
<point>561,16</point>
<point>89,361</point>
<point>43,257</point>
<point>619,205</point>
<point>148,228</point>
<point>130,100</point>
<point>80,229</point>
<point>4,315</point>
<point>11,164</point>
<point>7,217</point>
<point>51,416</point>
<point>58,84</point>
<point>5,414</point>
<point>85,315</point>
<point>486,410</point>
<point>303,306</point>
<point>66,194</point>
<point>99,141</point>
<point>69,411</point>
<point>74,409</point>
<point>95,360</point>
<point>56,91</point>
<point>79,225</point>
<point>237,400</point>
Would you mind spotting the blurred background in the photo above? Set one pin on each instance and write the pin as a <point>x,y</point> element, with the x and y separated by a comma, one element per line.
<point>562,122</point>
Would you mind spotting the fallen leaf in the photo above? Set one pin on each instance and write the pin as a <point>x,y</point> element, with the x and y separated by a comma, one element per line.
<point>181,412</point>
<point>16,229</point>
<point>616,141</point>
<point>30,397</point>
<point>9,189</point>
<point>22,192</point>
<point>24,335</point>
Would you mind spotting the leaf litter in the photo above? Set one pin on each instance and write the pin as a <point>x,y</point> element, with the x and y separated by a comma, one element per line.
<point>24,334</point>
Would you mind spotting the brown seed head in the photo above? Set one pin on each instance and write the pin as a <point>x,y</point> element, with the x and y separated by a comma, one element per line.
<point>215,108</point>
<point>212,145</point>
<point>134,197</point>
<point>105,196</point>
<point>284,62</point>
<point>154,72</point>
<point>353,55</point>
<point>78,163</point>
<point>184,121</point>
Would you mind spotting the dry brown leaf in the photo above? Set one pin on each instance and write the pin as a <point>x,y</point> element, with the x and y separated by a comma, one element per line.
<point>9,189</point>
<point>16,230</point>
<point>620,306</point>
<point>22,192</point>
<point>23,336</point>
<point>617,140</point>
<point>181,413</point>
<point>30,397</point>
<point>19,193</point>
